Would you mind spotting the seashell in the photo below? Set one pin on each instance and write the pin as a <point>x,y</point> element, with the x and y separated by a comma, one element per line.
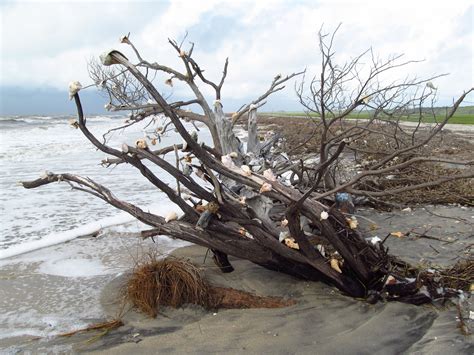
<point>375,240</point>
<point>242,231</point>
<point>125,148</point>
<point>185,197</point>
<point>217,103</point>
<point>141,143</point>
<point>187,159</point>
<point>430,85</point>
<point>284,223</point>
<point>366,99</point>
<point>397,234</point>
<point>47,174</point>
<point>74,88</point>
<point>290,243</point>
<point>265,187</point>
<point>107,58</point>
<point>324,215</point>
<point>171,217</point>
<point>233,155</point>
<point>335,265</point>
<point>352,222</point>
<point>242,200</point>
<point>268,174</point>
<point>124,39</point>
<point>187,169</point>
<point>182,53</point>
<point>200,208</point>
<point>283,235</point>
<point>227,161</point>
<point>246,171</point>
<point>390,280</point>
<point>169,82</point>
<point>74,123</point>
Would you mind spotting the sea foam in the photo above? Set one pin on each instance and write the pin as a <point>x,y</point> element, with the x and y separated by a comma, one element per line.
<point>85,230</point>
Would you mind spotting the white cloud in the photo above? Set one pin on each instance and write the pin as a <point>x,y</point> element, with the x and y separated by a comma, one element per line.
<point>49,44</point>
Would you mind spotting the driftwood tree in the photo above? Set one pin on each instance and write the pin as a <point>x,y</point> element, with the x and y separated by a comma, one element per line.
<point>248,208</point>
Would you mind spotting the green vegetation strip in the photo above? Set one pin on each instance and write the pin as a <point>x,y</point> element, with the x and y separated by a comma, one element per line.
<point>464,115</point>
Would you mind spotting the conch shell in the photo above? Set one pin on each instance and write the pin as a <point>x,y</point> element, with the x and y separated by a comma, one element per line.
<point>335,265</point>
<point>352,222</point>
<point>268,174</point>
<point>141,143</point>
<point>171,217</point>
<point>246,171</point>
<point>290,243</point>
<point>74,87</point>
<point>265,187</point>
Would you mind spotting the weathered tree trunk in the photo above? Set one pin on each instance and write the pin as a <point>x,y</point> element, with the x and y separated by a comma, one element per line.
<point>253,143</point>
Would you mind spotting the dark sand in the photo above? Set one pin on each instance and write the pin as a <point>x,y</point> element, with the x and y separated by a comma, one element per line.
<point>322,322</point>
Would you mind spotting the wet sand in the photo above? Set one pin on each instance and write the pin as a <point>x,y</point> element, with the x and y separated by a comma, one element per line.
<point>322,322</point>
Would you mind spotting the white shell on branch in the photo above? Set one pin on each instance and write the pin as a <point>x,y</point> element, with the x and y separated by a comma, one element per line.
<point>268,174</point>
<point>74,123</point>
<point>430,85</point>
<point>246,171</point>
<point>366,99</point>
<point>107,58</point>
<point>227,161</point>
<point>171,216</point>
<point>141,143</point>
<point>74,87</point>
<point>233,155</point>
<point>284,223</point>
<point>265,187</point>
<point>324,215</point>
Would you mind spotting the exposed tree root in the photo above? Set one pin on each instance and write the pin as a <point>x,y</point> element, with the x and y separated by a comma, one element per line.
<point>174,282</point>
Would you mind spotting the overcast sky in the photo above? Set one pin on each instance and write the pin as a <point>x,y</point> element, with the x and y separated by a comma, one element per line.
<point>45,45</point>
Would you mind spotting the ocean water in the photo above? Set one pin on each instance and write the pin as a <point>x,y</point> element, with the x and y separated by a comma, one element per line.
<point>50,277</point>
<point>29,146</point>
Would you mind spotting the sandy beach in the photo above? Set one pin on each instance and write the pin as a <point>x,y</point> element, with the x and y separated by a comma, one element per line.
<point>321,322</point>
